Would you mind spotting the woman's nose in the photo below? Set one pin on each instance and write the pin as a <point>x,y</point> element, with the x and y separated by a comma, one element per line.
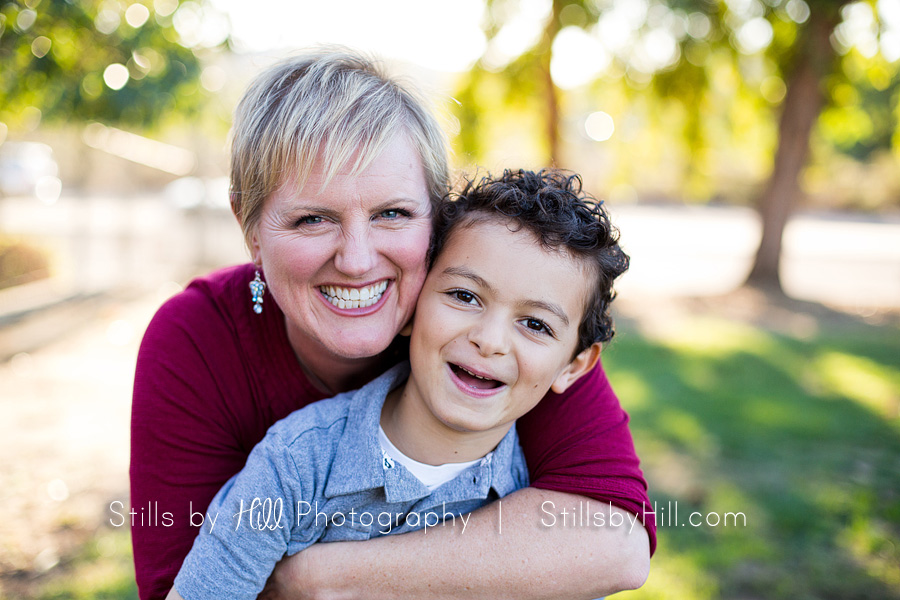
<point>356,254</point>
<point>490,336</point>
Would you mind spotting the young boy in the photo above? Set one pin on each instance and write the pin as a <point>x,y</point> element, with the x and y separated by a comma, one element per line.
<point>516,303</point>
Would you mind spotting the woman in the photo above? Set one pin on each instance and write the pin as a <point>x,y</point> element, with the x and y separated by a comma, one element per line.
<point>335,170</point>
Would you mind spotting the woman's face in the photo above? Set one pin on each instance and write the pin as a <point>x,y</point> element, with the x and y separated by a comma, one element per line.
<point>346,262</point>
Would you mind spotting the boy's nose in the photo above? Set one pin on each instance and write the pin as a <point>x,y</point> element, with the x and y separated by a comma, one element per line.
<point>490,336</point>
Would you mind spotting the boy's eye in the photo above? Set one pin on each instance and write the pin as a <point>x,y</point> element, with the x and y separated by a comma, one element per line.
<point>537,325</point>
<point>463,296</point>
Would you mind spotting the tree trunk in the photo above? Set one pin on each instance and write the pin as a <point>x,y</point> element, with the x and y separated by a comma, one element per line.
<point>551,92</point>
<point>800,110</point>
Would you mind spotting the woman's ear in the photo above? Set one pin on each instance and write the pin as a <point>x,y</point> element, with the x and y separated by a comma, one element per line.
<point>581,364</point>
<point>253,246</point>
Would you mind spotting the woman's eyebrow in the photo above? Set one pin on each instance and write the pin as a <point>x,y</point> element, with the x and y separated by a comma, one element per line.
<point>325,211</point>
<point>550,307</point>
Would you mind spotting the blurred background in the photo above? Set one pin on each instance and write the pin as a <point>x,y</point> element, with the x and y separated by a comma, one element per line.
<point>749,150</point>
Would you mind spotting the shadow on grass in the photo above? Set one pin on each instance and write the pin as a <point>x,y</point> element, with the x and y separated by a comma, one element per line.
<point>798,437</point>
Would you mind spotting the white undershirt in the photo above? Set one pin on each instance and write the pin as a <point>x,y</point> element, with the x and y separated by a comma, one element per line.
<point>430,475</point>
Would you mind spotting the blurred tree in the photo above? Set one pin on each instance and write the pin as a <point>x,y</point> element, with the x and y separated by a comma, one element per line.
<point>121,63</point>
<point>775,55</point>
<point>806,65</point>
<point>526,78</point>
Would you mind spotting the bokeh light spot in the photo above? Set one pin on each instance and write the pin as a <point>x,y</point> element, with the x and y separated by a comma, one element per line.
<point>58,490</point>
<point>754,36</point>
<point>48,189</point>
<point>797,10</point>
<point>41,46</point>
<point>599,126</point>
<point>107,21</point>
<point>213,78</point>
<point>698,26</point>
<point>773,89</point>
<point>578,58</point>
<point>164,8</point>
<point>136,15</point>
<point>116,76</point>
<point>26,19</point>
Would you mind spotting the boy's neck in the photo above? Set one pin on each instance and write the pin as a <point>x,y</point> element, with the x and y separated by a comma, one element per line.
<point>421,437</point>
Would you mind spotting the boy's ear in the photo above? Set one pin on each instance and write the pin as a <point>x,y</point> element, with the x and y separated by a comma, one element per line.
<point>581,364</point>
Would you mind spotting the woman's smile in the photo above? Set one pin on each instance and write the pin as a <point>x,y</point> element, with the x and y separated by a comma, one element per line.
<point>349,298</point>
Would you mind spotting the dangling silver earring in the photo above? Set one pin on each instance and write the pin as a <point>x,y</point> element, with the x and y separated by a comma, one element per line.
<point>257,289</point>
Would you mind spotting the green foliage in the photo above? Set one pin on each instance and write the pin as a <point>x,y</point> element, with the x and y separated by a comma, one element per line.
<point>730,95</point>
<point>54,53</point>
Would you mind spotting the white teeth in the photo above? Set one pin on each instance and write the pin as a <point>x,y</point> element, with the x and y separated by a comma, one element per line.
<point>474,375</point>
<point>354,297</point>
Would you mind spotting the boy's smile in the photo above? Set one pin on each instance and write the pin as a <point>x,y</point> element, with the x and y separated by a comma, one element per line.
<point>495,327</point>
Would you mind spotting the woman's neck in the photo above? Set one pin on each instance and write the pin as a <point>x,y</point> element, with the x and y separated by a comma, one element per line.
<point>333,374</point>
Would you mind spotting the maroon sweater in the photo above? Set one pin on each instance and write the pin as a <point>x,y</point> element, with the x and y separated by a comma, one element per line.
<point>212,377</point>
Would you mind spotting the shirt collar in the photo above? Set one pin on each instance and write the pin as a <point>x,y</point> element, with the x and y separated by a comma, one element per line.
<point>359,463</point>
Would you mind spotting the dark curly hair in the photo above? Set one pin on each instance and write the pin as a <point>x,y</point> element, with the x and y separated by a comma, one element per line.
<point>552,205</point>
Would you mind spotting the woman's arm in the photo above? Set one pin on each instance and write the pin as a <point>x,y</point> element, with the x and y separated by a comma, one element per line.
<point>539,553</point>
<point>582,461</point>
<point>183,442</point>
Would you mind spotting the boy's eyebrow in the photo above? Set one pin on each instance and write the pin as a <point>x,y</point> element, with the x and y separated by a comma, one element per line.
<point>481,281</point>
<point>550,307</point>
<point>468,274</point>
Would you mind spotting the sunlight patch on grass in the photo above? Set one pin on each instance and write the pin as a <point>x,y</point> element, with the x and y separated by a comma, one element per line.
<point>872,546</point>
<point>715,337</point>
<point>676,577</point>
<point>633,390</point>
<point>771,412</point>
<point>863,381</point>
<point>687,430</point>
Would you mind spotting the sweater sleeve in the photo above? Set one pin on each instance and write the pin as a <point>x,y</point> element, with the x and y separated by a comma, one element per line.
<point>185,431</point>
<point>249,529</point>
<point>578,442</point>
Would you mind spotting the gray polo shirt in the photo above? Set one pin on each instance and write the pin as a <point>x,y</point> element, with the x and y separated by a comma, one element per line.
<point>320,475</point>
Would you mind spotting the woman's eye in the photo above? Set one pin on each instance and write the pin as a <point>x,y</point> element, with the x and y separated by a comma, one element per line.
<point>309,220</point>
<point>393,213</point>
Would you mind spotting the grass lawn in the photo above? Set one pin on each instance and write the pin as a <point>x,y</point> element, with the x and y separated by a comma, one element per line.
<point>797,437</point>
<point>801,436</point>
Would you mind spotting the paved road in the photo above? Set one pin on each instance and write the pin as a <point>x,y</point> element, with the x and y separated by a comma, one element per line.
<point>852,261</point>
<point>142,243</point>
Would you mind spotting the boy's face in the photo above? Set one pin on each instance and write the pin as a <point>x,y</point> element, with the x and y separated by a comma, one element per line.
<point>495,327</point>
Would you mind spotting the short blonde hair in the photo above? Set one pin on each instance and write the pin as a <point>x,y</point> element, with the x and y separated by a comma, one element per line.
<point>331,103</point>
